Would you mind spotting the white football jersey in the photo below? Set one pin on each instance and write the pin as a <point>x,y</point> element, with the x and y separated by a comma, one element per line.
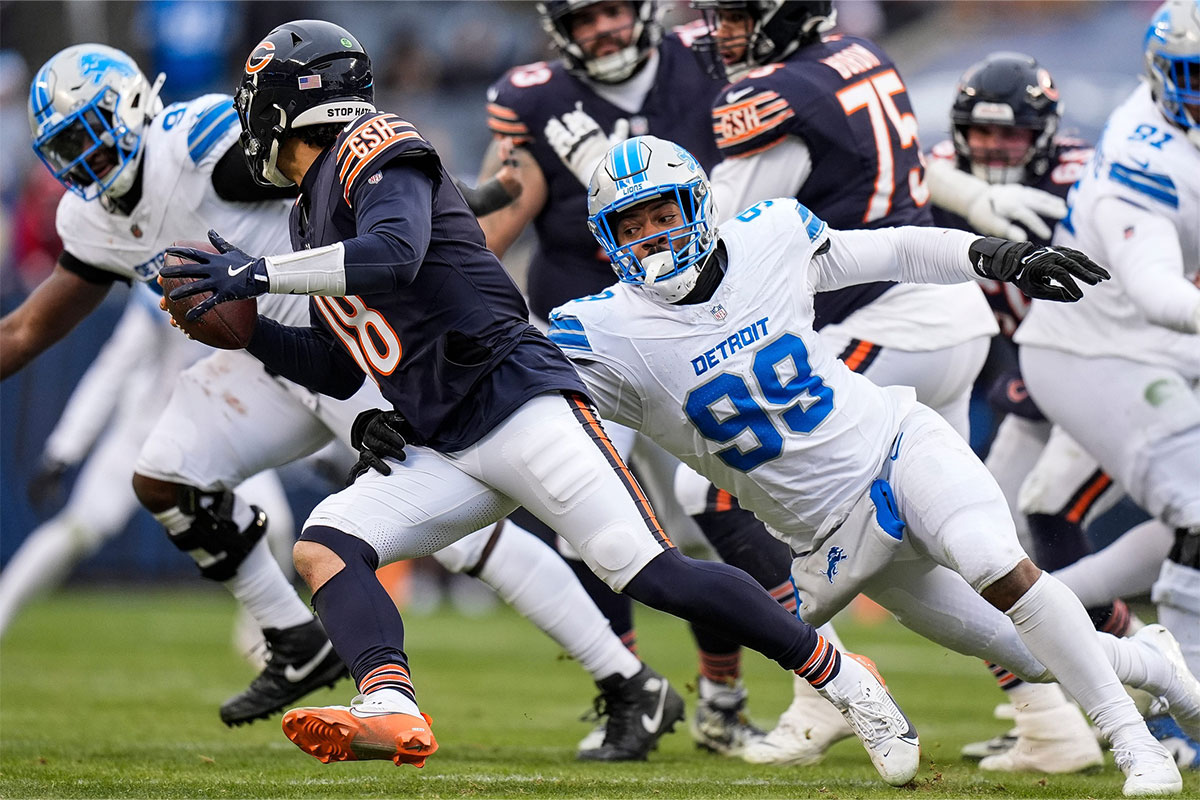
<point>740,387</point>
<point>1145,161</point>
<point>182,146</point>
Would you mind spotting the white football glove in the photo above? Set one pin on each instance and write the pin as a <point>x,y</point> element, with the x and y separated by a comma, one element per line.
<point>996,210</point>
<point>579,141</point>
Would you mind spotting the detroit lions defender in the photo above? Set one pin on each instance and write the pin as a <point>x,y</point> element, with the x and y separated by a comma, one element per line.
<point>228,419</point>
<point>1134,351</point>
<point>620,72</point>
<point>718,330</point>
<point>404,290</point>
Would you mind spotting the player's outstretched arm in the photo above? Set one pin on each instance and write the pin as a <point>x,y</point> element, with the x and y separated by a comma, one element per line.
<point>940,255</point>
<point>56,306</point>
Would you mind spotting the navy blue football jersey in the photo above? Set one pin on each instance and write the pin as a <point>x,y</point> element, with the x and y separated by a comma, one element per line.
<point>844,98</point>
<point>1067,161</point>
<point>567,262</point>
<point>453,350</point>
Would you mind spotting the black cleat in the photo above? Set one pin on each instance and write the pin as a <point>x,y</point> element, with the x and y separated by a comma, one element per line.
<point>639,711</point>
<point>719,723</point>
<point>301,659</point>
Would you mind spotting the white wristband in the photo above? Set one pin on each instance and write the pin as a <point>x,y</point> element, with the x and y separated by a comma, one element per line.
<point>320,271</point>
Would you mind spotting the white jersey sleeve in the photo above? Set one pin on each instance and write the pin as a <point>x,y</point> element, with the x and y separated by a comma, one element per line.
<point>1143,166</point>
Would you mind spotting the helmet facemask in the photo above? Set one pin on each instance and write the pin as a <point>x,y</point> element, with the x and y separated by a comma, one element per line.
<point>88,108</point>
<point>646,173</point>
<point>645,33</point>
<point>777,28</point>
<point>1172,48</point>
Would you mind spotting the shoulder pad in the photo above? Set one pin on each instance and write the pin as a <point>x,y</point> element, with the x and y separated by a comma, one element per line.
<point>214,116</point>
<point>515,97</point>
<point>371,141</point>
<point>747,117</point>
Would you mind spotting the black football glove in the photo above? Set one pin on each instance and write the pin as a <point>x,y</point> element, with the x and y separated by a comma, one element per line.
<point>376,435</point>
<point>229,275</point>
<point>1047,273</point>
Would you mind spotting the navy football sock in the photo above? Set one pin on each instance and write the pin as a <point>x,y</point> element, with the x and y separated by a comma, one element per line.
<point>1057,541</point>
<point>360,618</point>
<point>726,601</point>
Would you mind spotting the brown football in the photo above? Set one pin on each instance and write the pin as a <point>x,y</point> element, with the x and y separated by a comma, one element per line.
<point>227,326</point>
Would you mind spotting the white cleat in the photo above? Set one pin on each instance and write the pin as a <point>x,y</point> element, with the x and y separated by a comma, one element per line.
<point>804,733</point>
<point>1150,771</point>
<point>887,734</point>
<point>1182,696</point>
<point>1056,741</point>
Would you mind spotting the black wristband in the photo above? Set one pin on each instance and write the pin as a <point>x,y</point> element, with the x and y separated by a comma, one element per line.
<point>997,258</point>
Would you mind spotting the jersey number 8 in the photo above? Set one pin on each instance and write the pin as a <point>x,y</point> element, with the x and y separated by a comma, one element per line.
<point>723,408</point>
<point>364,332</point>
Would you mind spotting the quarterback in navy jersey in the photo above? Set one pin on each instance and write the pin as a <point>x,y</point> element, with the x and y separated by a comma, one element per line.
<point>499,418</point>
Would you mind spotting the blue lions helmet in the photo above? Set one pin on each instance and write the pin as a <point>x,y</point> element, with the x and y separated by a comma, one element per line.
<point>88,108</point>
<point>1173,63</point>
<point>648,168</point>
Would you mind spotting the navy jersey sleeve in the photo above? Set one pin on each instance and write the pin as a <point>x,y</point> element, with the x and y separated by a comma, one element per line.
<point>750,115</point>
<point>307,356</point>
<point>393,212</point>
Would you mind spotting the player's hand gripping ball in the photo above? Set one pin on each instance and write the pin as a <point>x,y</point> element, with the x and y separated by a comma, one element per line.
<point>227,326</point>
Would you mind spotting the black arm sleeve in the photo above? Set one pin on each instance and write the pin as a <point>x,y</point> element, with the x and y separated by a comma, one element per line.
<point>89,273</point>
<point>307,356</point>
<point>395,220</point>
<point>489,197</point>
<point>232,181</point>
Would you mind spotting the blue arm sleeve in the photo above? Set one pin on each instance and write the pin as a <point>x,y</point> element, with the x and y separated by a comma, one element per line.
<point>394,217</point>
<point>307,356</point>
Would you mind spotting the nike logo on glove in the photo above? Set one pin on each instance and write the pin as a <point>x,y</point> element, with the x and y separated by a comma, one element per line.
<point>296,674</point>
<point>235,272</point>
<point>652,724</point>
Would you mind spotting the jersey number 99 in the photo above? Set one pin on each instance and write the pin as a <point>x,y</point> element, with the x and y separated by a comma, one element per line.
<point>723,408</point>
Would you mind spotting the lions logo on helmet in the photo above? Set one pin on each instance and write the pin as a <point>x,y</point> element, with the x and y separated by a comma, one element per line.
<point>88,107</point>
<point>648,168</point>
<point>1172,47</point>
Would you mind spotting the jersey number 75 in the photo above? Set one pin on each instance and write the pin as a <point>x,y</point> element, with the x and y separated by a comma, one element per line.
<point>876,95</point>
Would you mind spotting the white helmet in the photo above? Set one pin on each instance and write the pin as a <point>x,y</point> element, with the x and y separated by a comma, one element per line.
<point>88,107</point>
<point>646,168</point>
<point>1172,48</point>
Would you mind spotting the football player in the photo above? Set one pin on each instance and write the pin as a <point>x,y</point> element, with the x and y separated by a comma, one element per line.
<point>227,418</point>
<point>404,289</point>
<point>1005,122</point>
<point>876,492</point>
<point>1120,374</point>
<point>619,73</point>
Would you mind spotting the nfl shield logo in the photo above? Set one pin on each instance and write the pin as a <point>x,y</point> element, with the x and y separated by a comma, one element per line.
<point>718,312</point>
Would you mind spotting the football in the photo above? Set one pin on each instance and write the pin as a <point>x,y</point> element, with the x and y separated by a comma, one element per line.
<point>227,326</point>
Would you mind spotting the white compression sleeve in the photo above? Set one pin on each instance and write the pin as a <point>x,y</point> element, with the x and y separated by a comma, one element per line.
<point>908,254</point>
<point>779,171</point>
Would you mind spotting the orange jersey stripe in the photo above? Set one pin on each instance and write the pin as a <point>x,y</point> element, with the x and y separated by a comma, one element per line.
<point>497,110</point>
<point>724,500</point>
<point>509,128</point>
<point>749,101</point>
<point>758,130</point>
<point>348,183</point>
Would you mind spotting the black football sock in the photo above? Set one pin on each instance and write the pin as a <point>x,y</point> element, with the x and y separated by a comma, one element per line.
<point>360,618</point>
<point>727,602</point>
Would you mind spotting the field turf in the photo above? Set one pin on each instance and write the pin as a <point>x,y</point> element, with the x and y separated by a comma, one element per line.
<point>114,693</point>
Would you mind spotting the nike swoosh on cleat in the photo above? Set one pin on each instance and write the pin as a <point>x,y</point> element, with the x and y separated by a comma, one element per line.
<point>235,272</point>
<point>651,724</point>
<point>297,674</point>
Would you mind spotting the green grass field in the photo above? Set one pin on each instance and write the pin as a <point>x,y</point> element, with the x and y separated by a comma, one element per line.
<point>115,694</point>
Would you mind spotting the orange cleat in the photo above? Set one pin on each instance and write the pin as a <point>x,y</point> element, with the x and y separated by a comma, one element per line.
<point>341,733</point>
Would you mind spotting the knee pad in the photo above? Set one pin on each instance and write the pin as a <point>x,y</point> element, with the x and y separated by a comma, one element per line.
<point>213,539</point>
<point>615,554</point>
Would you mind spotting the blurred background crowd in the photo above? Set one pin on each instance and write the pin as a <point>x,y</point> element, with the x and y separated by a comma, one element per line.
<point>433,63</point>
